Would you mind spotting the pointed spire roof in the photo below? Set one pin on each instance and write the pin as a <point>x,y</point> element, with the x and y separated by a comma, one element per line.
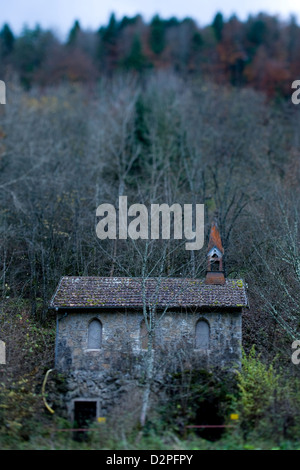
<point>215,238</point>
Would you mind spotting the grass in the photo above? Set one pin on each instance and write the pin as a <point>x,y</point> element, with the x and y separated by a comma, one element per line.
<point>98,439</point>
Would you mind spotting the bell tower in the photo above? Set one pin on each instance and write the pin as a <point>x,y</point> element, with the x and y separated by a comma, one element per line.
<point>215,263</point>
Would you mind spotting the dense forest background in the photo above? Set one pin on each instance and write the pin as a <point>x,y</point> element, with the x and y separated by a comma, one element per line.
<point>162,112</point>
<point>262,52</point>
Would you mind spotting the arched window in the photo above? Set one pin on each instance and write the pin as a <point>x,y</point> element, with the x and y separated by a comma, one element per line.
<point>202,335</point>
<point>95,335</point>
<point>215,263</point>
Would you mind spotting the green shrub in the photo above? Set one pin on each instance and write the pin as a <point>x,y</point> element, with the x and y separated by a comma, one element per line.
<point>268,402</point>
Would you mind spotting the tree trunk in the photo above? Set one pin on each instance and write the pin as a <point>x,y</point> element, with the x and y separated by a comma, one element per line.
<point>149,377</point>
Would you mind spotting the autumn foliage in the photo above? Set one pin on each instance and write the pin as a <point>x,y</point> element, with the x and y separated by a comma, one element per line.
<point>261,52</point>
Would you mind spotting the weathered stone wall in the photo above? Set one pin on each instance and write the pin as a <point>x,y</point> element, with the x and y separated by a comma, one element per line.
<point>105,374</point>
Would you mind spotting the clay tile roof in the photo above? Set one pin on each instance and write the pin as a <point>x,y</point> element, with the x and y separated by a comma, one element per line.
<point>215,238</point>
<point>109,292</point>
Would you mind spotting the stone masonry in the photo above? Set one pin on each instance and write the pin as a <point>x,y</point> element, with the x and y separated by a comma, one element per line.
<point>101,338</point>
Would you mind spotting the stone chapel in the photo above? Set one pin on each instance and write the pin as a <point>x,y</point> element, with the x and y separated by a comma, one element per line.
<point>101,333</point>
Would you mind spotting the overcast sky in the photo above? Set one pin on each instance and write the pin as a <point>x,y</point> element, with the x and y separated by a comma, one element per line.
<point>60,14</point>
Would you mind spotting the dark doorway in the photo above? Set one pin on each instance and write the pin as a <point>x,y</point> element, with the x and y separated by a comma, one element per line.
<point>208,414</point>
<point>85,412</point>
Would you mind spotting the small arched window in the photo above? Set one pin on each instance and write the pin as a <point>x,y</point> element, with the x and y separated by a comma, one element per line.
<point>202,335</point>
<point>215,263</point>
<point>95,335</point>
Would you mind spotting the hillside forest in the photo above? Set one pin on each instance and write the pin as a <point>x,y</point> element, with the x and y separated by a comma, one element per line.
<point>162,112</point>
